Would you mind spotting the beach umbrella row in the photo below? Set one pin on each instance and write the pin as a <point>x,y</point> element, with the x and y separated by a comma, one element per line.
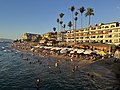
<point>72,50</point>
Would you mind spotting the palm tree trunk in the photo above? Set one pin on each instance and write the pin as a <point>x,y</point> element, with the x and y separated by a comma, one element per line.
<point>73,19</point>
<point>70,35</point>
<point>58,35</point>
<point>89,22</point>
<point>89,28</point>
<point>75,31</point>
<point>60,31</point>
<point>58,27</point>
<point>81,20</point>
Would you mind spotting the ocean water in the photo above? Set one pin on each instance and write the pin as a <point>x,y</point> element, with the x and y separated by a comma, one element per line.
<point>19,73</point>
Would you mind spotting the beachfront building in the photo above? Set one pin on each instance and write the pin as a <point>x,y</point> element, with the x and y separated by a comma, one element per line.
<point>30,37</point>
<point>108,33</point>
<point>49,36</point>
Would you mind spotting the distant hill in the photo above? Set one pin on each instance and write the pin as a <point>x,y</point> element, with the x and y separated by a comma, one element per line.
<point>5,40</point>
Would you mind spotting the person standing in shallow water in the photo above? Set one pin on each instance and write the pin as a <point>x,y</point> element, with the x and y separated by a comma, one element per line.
<point>117,54</point>
<point>38,84</point>
<point>56,64</point>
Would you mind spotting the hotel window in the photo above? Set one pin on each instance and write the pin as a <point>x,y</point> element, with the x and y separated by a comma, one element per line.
<point>81,37</point>
<point>86,37</point>
<point>99,27</point>
<point>106,40</point>
<point>116,35</point>
<point>110,41</point>
<point>102,26</point>
<point>92,36</point>
<point>101,36</point>
<point>106,27</point>
<point>93,28</point>
<point>101,41</point>
<point>82,30</point>
<point>116,40</point>
<point>112,25</point>
<point>116,30</point>
<point>106,36</point>
<point>110,30</point>
<point>110,36</point>
<point>76,30</point>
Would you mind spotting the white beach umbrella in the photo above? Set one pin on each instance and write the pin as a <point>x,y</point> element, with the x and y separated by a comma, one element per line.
<point>64,51</point>
<point>53,48</point>
<point>88,51</point>
<point>80,51</point>
<point>63,48</point>
<point>57,48</point>
<point>72,51</point>
<point>69,49</point>
<point>48,47</point>
<point>75,49</point>
<point>95,51</point>
<point>41,47</point>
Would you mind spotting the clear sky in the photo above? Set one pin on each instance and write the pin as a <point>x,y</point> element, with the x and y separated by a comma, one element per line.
<point>39,16</point>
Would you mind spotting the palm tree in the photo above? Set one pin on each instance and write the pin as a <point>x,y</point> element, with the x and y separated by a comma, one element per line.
<point>54,29</point>
<point>89,13</point>
<point>72,8</point>
<point>57,20</point>
<point>61,22</point>
<point>70,25</point>
<point>76,22</point>
<point>61,16</point>
<point>64,26</point>
<point>76,13</point>
<point>82,9</point>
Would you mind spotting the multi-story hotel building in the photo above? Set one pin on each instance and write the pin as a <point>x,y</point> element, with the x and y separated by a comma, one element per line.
<point>104,33</point>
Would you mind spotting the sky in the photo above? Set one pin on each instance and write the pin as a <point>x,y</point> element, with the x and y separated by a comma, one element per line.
<point>39,16</point>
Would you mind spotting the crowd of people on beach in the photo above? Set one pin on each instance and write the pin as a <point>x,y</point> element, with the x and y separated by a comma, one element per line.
<point>72,54</point>
<point>62,52</point>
